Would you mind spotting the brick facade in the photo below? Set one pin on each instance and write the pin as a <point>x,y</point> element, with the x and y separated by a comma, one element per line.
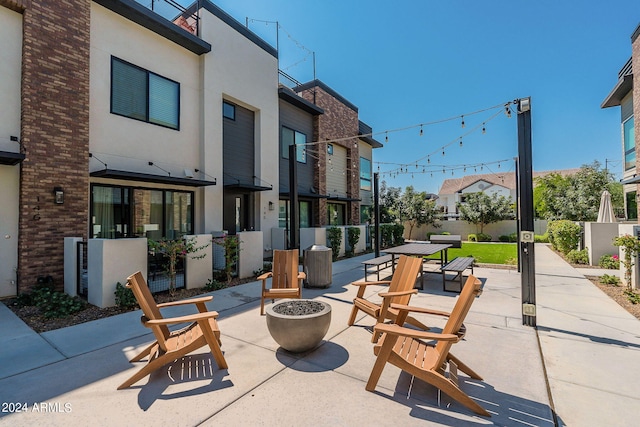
<point>635,64</point>
<point>54,133</point>
<point>338,121</point>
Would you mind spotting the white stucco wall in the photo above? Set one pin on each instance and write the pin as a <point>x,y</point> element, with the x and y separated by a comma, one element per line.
<point>240,71</point>
<point>10,78</point>
<point>450,201</point>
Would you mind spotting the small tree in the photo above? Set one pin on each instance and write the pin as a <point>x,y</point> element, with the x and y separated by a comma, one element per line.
<point>481,209</point>
<point>174,250</point>
<point>231,245</point>
<point>417,209</point>
<point>631,246</point>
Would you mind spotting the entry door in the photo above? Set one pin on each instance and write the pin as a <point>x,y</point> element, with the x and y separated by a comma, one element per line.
<point>9,194</point>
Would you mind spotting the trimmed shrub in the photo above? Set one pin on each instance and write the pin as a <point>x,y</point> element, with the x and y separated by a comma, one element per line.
<point>564,235</point>
<point>542,238</point>
<point>483,237</point>
<point>472,238</point>
<point>398,231</point>
<point>353,236</point>
<point>578,257</point>
<point>124,297</point>
<point>611,262</point>
<point>386,235</point>
<point>509,238</point>
<point>334,235</point>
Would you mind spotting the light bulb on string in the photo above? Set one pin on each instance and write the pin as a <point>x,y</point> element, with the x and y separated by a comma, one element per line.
<point>411,176</point>
<point>423,170</point>
<point>460,141</point>
<point>443,171</point>
<point>428,159</point>
<point>431,174</point>
<point>386,137</point>
<point>481,168</point>
<point>484,129</point>
<point>421,132</point>
<point>465,169</point>
<point>443,151</point>
<point>507,111</point>
<point>498,165</point>
<point>462,123</point>
<point>451,172</point>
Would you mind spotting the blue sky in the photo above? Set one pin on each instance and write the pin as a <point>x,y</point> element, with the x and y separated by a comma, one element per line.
<point>407,62</point>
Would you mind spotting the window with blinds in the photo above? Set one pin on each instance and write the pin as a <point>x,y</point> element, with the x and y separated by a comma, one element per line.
<point>142,95</point>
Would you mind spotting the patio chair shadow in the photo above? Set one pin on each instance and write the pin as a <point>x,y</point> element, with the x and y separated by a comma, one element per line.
<point>428,403</point>
<point>196,369</point>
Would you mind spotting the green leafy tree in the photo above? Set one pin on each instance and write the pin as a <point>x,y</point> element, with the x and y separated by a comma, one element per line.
<point>575,197</point>
<point>416,209</point>
<point>389,199</point>
<point>481,209</point>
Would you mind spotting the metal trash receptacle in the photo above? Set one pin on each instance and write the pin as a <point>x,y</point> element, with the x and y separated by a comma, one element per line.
<point>318,266</point>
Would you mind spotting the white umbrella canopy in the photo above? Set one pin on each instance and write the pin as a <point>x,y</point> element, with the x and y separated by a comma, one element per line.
<point>605,214</point>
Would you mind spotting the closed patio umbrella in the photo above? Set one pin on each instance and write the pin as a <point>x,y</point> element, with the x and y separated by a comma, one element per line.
<point>605,214</point>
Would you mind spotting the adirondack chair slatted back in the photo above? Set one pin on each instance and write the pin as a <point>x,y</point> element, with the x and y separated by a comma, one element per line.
<point>404,278</point>
<point>285,269</point>
<point>148,305</point>
<point>470,290</point>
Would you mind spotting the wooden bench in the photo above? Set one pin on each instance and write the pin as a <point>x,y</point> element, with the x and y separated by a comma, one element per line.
<point>379,263</point>
<point>458,265</point>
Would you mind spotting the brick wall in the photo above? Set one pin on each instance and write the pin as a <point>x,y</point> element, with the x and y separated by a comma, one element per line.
<point>338,121</point>
<point>635,64</point>
<point>54,133</point>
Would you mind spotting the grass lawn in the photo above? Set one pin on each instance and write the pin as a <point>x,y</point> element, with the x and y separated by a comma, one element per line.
<point>488,253</point>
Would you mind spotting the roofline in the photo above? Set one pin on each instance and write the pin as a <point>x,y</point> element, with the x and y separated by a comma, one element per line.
<point>635,34</point>
<point>621,89</point>
<point>292,98</point>
<point>150,20</point>
<point>323,86</point>
<point>236,25</point>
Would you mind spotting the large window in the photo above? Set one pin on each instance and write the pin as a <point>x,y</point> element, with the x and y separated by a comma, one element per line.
<point>629,144</point>
<point>336,213</point>
<point>365,174</point>
<point>284,214</point>
<point>139,212</point>
<point>290,137</point>
<point>142,95</point>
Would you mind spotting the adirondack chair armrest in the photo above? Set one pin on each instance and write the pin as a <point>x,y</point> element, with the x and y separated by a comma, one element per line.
<point>302,275</point>
<point>181,319</point>
<point>375,282</point>
<point>265,276</point>
<point>393,329</point>
<point>422,310</point>
<point>186,301</point>
<point>398,293</point>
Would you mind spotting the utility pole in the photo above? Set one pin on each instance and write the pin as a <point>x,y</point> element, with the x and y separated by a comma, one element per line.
<point>376,214</point>
<point>525,209</point>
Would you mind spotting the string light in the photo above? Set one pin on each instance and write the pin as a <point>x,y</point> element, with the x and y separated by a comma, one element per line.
<point>421,132</point>
<point>428,159</point>
<point>443,151</point>
<point>386,136</point>
<point>460,141</point>
<point>484,129</point>
<point>462,123</point>
<point>507,111</point>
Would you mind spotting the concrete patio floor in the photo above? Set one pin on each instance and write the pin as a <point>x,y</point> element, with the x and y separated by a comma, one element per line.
<point>577,368</point>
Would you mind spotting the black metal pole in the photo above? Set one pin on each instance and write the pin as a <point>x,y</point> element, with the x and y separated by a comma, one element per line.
<point>517,210</point>
<point>376,214</point>
<point>525,185</point>
<point>294,220</point>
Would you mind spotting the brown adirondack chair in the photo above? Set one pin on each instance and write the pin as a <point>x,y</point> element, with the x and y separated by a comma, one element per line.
<point>401,287</point>
<point>171,345</point>
<point>286,280</point>
<point>404,348</point>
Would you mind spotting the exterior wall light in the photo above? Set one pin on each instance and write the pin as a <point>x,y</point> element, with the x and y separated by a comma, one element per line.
<point>58,194</point>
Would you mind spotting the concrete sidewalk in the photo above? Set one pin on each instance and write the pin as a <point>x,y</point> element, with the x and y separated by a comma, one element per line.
<point>579,361</point>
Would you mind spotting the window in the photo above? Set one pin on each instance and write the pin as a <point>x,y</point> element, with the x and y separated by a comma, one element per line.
<point>304,214</point>
<point>139,212</point>
<point>228,111</point>
<point>629,144</point>
<point>335,213</point>
<point>365,174</point>
<point>290,137</point>
<point>632,205</point>
<point>142,95</point>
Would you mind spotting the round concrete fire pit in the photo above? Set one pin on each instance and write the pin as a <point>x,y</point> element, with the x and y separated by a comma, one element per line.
<point>298,325</point>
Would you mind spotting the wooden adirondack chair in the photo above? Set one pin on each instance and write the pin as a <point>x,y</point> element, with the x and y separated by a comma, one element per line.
<point>286,280</point>
<point>404,348</point>
<point>401,287</point>
<point>169,346</point>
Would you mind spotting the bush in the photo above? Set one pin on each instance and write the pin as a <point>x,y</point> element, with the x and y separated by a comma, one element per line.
<point>542,238</point>
<point>632,296</point>
<point>53,303</point>
<point>386,235</point>
<point>610,279</point>
<point>611,262</point>
<point>482,237</point>
<point>509,238</point>
<point>334,236</point>
<point>445,233</point>
<point>578,257</point>
<point>214,285</point>
<point>124,297</point>
<point>353,236</point>
<point>398,231</point>
<point>472,238</point>
<point>564,235</point>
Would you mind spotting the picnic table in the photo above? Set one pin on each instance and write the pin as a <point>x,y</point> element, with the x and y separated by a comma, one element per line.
<point>419,249</point>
